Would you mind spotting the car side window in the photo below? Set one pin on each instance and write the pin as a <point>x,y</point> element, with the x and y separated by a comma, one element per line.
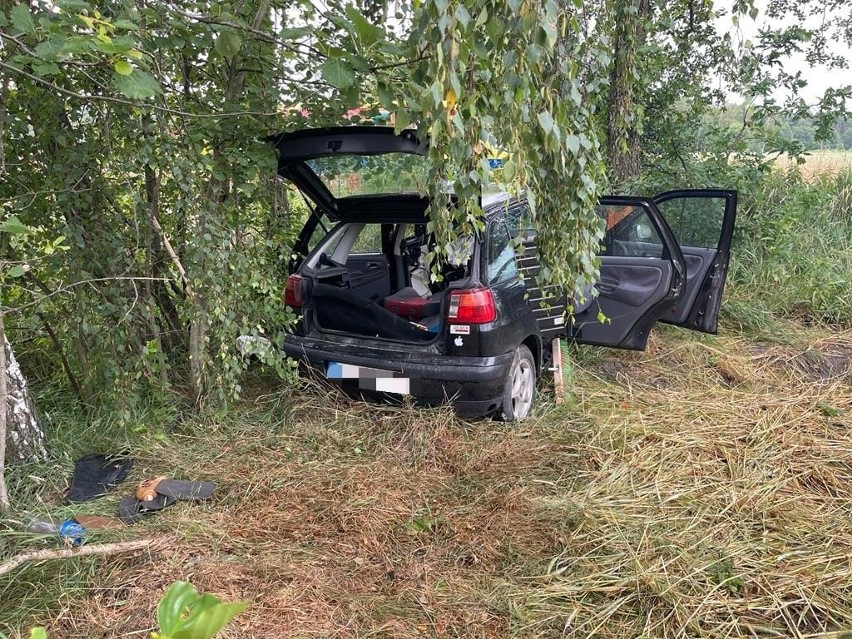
<point>629,232</point>
<point>501,254</point>
<point>369,240</point>
<point>318,233</point>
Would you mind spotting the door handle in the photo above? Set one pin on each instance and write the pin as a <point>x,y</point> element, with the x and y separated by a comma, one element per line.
<point>607,286</point>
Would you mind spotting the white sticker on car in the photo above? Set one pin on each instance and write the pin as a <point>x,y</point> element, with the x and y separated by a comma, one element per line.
<point>459,329</point>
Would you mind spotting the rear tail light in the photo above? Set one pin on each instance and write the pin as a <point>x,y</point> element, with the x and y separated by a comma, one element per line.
<point>293,291</point>
<point>472,306</point>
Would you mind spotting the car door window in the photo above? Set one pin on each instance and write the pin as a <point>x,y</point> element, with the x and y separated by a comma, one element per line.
<point>519,220</point>
<point>317,234</point>
<point>702,221</point>
<point>629,232</point>
<point>695,221</point>
<point>369,240</point>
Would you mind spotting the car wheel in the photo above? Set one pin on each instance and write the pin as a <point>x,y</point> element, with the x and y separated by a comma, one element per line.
<point>519,388</point>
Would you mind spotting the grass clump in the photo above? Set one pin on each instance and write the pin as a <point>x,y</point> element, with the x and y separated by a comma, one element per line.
<point>715,503</point>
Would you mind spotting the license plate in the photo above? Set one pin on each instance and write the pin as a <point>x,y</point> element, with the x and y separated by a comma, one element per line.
<point>374,379</point>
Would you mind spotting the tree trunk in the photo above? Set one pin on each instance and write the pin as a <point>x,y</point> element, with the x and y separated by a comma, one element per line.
<point>625,121</point>
<point>24,432</point>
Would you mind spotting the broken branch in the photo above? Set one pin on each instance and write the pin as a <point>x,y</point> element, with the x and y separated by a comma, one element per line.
<point>67,553</point>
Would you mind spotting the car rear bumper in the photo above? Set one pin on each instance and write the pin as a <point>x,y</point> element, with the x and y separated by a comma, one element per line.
<point>473,385</point>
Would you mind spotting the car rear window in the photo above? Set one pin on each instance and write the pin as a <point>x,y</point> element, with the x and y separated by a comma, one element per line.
<point>348,175</point>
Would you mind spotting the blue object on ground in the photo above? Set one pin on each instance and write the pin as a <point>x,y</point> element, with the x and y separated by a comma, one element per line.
<point>72,532</point>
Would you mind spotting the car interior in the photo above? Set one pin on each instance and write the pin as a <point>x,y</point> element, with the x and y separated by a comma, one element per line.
<point>373,279</point>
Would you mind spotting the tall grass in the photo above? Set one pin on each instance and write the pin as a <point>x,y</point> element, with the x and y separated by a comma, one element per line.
<point>793,249</point>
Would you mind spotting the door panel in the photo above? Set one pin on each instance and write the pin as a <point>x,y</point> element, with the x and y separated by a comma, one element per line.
<point>703,223</point>
<point>698,262</point>
<point>630,293</point>
<point>641,275</point>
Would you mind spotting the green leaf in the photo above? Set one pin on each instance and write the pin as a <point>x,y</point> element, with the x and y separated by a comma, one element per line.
<point>184,614</point>
<point>13,226</point>
<point>74,6</point>
<point>138,85</point>
<point>22,19</point>
<point>385,95</point>
<point>171,607</point>
<point>337,73</point>
<point>38,633</point>
<point>402,119</point>
<point>49,49</point>
<point>573,143</point>
<point>368,33</point>
<point>126,24</point>
<point>462,15</point>
<point>46,68</point>
<point>208,617</point>
<point>546,121</point>
<point>122,67</point>
<point>228,43</point>
<point>294,33</point>
<point>16,271</point>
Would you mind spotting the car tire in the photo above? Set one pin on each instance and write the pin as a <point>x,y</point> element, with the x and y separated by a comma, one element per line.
<point>519,387</point>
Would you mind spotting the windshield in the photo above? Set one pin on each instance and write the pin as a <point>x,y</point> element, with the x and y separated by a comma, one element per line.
<point>347,175</point>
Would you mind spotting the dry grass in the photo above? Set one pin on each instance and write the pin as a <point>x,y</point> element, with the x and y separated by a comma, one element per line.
<point>703,489</point>
<point>715,499</point>
<point>819,164</point>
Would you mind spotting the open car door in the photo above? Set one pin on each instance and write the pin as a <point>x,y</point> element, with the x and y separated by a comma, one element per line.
<point>702,221</point>
<point>642,274</point>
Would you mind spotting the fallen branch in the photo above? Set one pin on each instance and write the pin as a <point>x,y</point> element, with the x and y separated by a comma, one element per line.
<point>67,553</point>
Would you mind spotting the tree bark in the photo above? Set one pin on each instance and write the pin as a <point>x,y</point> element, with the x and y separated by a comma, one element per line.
<point>624,126</point>
<point>24,432</point>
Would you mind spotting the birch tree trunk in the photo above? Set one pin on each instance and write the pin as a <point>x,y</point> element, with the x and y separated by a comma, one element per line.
<point>21,434</point>
<point>24,433</point>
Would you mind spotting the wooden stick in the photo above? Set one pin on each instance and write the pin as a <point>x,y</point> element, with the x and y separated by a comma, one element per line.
<point>67,553</point>
<point>558,379</point>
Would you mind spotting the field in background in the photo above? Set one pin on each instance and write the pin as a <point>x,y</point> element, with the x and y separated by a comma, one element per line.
<point>700,489</point>
<point>821,163</point>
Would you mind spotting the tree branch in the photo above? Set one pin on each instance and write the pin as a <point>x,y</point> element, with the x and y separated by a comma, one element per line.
<point>138,105</point>
<point>172,254</point>
<point>84,551</point>
<point>94,280</point>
